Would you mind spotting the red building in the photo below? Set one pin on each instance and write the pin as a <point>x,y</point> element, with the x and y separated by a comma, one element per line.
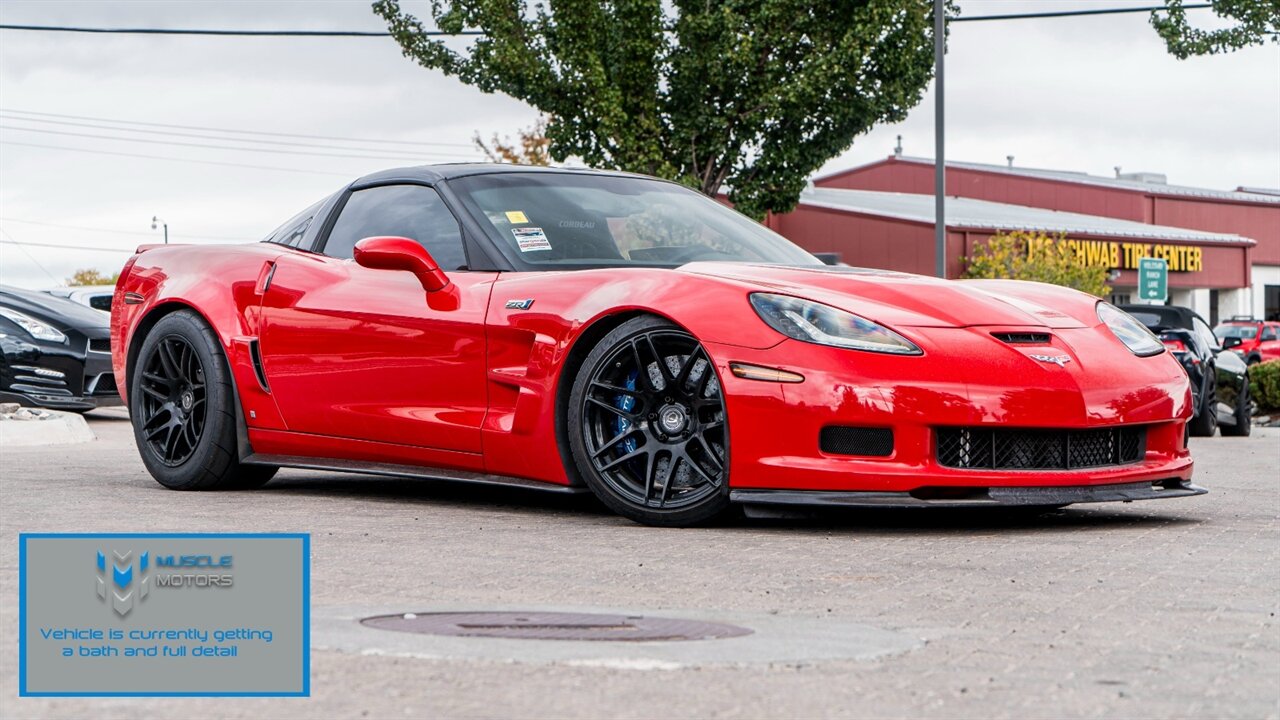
<point>1223,247</point>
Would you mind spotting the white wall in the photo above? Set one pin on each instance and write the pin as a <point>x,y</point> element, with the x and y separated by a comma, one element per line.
<point>1262,275</point>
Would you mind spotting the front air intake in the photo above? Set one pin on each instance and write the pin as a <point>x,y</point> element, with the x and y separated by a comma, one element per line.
<point>1022,338</point>
<point>867,442</point>
<point>1015,449</point>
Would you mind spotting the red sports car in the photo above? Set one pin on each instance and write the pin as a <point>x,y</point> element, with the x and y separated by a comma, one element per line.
<point>574,330</point>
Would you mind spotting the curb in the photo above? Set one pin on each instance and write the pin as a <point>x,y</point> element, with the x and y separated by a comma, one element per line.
<point>62,429</point>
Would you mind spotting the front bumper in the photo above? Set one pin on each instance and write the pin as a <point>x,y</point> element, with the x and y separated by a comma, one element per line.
<point>963,380</point>
<point>973,497</point>
<point>58,377</point>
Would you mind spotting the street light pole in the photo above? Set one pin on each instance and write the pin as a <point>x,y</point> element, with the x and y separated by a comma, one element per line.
<point>161,221</point>
<point>939,139</point>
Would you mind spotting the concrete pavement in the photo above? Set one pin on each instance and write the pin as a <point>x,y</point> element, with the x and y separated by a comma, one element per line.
<point>1158,609</point>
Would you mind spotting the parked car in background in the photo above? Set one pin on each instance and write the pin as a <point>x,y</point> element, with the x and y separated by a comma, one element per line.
<point>54,353</point>
<point>1253,340</point>
<point>1219,380</point>
<point>97,297</point>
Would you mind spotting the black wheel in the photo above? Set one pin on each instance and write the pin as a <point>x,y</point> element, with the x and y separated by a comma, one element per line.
<point>647,425</point>
<point>1243,413</point>
<point>1205,422</point>
<point>183,409</point>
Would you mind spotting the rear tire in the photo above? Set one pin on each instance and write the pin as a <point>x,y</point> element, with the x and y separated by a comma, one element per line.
<point>183,409</point>
<point>1244,419</point>
<point>647,426</point>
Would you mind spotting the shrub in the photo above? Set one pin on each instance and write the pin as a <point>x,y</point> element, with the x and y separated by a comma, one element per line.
<point>1264,384</point>
<point>1035,256</point>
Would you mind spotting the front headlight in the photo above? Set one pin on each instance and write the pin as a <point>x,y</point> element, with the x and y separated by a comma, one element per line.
<point>814,322</point>
<point>37,329</point>
<point>1129,331</point>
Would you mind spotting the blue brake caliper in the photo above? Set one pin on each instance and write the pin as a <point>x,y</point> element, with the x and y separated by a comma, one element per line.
<point>626,403</point>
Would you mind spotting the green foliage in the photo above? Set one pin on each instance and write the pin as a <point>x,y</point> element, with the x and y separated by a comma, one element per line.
<point>1035,256</point>
<point>1254,22</point>
<point>1264,385</point>
<point>91,276</point>
<point>750,95</point>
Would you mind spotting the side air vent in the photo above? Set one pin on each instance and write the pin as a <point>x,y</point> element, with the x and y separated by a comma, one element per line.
<point>256,356</point>
<point>867,442</point>
<point>1022,338</point>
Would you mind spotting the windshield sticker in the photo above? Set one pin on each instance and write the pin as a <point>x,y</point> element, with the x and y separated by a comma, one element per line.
<point>530,239</point>
<point>516,217</point>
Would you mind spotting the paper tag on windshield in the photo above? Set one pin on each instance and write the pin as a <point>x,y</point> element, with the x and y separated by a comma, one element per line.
<point>516,217</point>
<point>530,239</point>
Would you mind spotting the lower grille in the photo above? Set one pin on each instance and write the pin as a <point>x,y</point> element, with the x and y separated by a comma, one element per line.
<point>1012,449</point>
<point>872,442</point>
<point>104,384</point>
<point>102,345</point>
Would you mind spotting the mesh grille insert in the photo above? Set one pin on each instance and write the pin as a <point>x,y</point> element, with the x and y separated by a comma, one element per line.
<point>873,442</point>
<point>1012,449</point>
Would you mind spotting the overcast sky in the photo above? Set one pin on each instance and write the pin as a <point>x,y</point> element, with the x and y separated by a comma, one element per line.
<point>1084,94</point>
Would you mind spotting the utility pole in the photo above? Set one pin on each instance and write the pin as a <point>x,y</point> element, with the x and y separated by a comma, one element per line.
<point>161,221</point>
<point>939,139</point>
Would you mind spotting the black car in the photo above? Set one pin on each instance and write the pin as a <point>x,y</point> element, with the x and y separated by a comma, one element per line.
<point>1219,380</point>
<point>54,353</point>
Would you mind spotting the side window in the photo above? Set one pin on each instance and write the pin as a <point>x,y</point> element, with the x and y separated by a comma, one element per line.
<point>292,232</point>
<point>1204,333</point>
<point>411,211</point>
<point>1269,332</point>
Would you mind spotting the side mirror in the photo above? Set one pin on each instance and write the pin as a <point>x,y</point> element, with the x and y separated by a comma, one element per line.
<point>1228,343</point>
<point>399,253</point>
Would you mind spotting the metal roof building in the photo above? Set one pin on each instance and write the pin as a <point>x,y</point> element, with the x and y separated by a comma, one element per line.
<point>1223,245</point>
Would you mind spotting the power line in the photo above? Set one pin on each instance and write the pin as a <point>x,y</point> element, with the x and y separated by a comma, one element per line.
<point>234,33</point>
<point>397,158</point>
<point>234,131</point>
<point>30,257</point>
<point>171,133</point>
<point>119,232</point>
<point>11,241</point>
<point>480,33</point>
<point>173,159</point>
<point>1075,13</point>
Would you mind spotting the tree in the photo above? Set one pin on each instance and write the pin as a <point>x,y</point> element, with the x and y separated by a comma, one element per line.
<point>749,95</point>
<point>1254,22</point>
<point>532,149</point>
<point>92,276</point>
<point>1035,256</point>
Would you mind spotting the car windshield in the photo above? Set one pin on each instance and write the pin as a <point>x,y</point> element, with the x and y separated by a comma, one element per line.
<point>557,220</point>
<point>1244,332</point>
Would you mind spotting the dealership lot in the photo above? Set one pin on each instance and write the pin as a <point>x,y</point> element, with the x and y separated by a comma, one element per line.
<point>1158,609</point>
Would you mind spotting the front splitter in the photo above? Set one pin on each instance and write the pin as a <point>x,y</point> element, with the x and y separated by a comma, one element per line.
<point>938,496</point>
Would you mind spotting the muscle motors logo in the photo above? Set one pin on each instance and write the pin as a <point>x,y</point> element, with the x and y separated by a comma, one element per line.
<point>117,584</point>
<point>124,581</point>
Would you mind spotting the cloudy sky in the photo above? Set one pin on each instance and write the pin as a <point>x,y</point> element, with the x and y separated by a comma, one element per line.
<point>1084,94</point>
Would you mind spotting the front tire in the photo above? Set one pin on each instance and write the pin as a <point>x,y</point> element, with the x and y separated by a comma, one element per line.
<point>1205,423</point>
<point>647,426</point>
<point>1244,418</point>
<point>183,410</point>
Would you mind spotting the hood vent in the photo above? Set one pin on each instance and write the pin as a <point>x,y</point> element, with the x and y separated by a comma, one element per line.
<point>1022,338</point>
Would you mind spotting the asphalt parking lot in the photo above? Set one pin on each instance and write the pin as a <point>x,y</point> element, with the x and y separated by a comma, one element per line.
<point>1162,609</point>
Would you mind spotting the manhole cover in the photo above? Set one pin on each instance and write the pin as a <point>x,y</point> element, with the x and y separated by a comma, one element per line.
<point>555,626</point>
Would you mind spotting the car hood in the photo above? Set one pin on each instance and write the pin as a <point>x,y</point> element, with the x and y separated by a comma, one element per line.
<point>57,312</point>
<point>905,300</point>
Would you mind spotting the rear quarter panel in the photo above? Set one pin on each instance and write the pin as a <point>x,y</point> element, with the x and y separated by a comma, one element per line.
<point>217,282</point>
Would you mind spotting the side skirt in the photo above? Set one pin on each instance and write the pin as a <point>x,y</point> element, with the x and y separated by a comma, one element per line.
<point>407,471</point>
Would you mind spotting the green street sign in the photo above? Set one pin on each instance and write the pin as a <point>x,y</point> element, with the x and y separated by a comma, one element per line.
<point>1153,279</point>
